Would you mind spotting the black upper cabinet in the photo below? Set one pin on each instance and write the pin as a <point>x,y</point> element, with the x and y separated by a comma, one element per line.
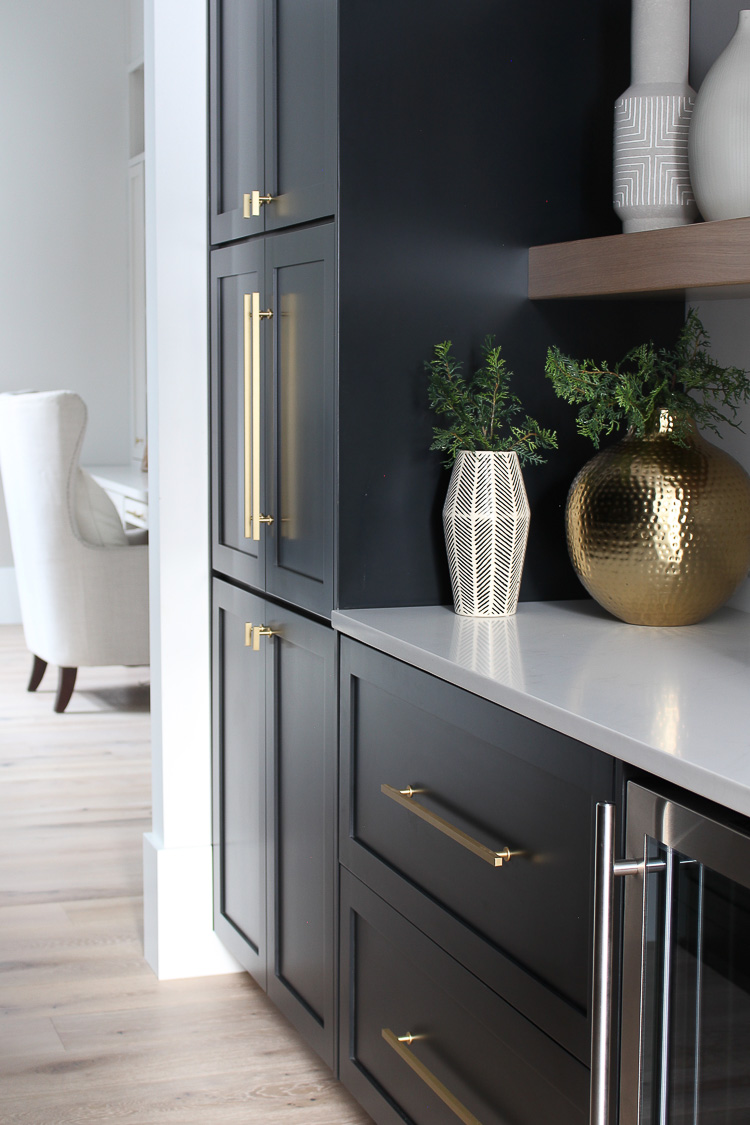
<point>435,139</point>
<point>273,414</point>
<point>273,114</point>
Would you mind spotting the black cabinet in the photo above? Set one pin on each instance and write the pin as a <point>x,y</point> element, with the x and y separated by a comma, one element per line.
<point>424,1041</point>
<point>446,167</point>
<point>239,780</point>
<point>273,114</point>
<point>479,825</point>
<point>273,414</point>
<point>274,675</point>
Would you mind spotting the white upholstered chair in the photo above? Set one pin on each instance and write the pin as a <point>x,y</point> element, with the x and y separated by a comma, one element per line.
<point>82,579</point>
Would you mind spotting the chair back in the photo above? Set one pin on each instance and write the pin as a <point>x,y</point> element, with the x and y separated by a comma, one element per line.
<point>71,604</point>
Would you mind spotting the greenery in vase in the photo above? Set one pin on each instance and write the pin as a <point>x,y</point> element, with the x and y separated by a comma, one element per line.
<point>481,412</point>
<point>684,380</point>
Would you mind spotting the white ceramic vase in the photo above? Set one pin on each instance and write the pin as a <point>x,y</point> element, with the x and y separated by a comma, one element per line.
<point>486,523</point>
<point>720,132</point>
<point>651,181</point>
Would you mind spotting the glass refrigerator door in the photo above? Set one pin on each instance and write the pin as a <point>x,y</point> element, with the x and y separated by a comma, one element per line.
<point>693,1058</point>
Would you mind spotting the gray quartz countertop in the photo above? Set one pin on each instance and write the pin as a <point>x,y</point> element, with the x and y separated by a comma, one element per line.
<point>673,701</point>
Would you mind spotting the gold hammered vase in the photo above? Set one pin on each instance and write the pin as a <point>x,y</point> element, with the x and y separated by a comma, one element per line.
<point>658,533</point>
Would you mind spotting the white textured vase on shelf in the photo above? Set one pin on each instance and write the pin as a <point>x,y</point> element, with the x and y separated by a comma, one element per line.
<point>720,132</point>
<point>486,523</point>
<point>651,182</point>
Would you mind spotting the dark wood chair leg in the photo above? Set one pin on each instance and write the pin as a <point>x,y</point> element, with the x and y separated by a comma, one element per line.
<point>36,673</point>
<point>65,684</point>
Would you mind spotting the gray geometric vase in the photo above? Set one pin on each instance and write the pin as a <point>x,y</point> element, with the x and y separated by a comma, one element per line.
<point>651,181</point>
<point>486,523</point>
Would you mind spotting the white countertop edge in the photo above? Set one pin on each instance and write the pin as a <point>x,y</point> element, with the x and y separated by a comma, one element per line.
<point>725,788</point>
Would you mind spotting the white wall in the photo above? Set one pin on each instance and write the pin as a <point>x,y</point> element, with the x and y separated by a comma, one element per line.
<point>178,878</point>
<point>713,23</point>
<point>63,202</point>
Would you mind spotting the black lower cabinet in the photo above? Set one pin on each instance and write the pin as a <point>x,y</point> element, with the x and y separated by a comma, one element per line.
<point>424,1041</point>
<point>436,784</point>
<point>275,804</point>
<point>301,811</point>
<point>239,780</point>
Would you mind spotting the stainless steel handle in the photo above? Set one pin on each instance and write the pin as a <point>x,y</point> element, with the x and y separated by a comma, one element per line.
<point>404,797</point>
<point>399,1043</point>
<point>605,869</point>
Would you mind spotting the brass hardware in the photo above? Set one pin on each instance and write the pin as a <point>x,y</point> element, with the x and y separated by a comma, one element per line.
<point>249,353</point>
<point>252,319</point>
<point>397,1043</point>
<point>253,633</point>
<point>135,515</point>
<point>403,797</point>
<point>262,631</point>
<point>251,203</point>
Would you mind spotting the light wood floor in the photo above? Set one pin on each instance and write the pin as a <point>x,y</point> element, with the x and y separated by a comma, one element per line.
<point>87,1033</point>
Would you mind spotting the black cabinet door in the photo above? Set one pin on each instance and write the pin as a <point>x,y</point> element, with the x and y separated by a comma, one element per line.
<point>237,83</point>
<point>273,376</point>
<point>302,123</point>
<point>301,726</point>
<point>238,355</point>
<point>272,114</point>
<point>300,417</point>
<point>239,772</point>
<point>424,1042</point>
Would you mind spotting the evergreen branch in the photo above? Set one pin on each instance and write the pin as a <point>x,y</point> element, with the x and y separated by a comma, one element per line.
<point>480,410</point>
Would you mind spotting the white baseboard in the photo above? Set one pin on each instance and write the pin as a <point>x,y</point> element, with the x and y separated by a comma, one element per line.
<point>10,607</point>
<point>179,940</point>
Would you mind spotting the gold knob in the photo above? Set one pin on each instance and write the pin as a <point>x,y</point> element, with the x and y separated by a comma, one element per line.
<point>253,633</point>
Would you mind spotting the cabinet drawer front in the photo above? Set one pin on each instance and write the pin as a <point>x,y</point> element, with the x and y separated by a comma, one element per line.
<point>488,780</point>
<point>488,1060</point>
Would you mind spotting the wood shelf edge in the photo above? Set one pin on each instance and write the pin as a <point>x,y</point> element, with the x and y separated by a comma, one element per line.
<point>709,258</point>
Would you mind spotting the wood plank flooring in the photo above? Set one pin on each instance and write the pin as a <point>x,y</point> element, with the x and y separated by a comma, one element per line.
<point>87,1033</point>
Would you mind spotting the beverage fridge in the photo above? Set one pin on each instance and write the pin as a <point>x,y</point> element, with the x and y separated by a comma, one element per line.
<point>671,1001</point>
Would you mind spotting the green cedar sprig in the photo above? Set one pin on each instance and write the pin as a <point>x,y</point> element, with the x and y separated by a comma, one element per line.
<point>481,411</point>
<point>684,380</point>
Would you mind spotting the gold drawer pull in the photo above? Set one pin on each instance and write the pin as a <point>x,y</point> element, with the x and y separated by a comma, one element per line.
<point>405,797</point>
<point>399,1045</point>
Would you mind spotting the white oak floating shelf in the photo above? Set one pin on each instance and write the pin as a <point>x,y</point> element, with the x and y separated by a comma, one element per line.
<point>702,260</point>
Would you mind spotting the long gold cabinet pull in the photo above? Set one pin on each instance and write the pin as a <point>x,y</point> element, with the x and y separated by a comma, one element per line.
<point>252,317</point>
<point>405,797</point>
<point>251,203</point>
<point>253,633</point>
<point>400,1044</point>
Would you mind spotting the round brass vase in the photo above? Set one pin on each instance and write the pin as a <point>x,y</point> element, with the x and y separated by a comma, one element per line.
<point>659,533</point>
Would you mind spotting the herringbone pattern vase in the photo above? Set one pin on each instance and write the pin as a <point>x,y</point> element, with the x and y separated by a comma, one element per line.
<point>486,522</point>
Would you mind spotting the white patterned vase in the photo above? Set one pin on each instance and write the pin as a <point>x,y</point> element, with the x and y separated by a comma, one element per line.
<point>486,523</point>
<point>651,181</point>
<point>719,146</point>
